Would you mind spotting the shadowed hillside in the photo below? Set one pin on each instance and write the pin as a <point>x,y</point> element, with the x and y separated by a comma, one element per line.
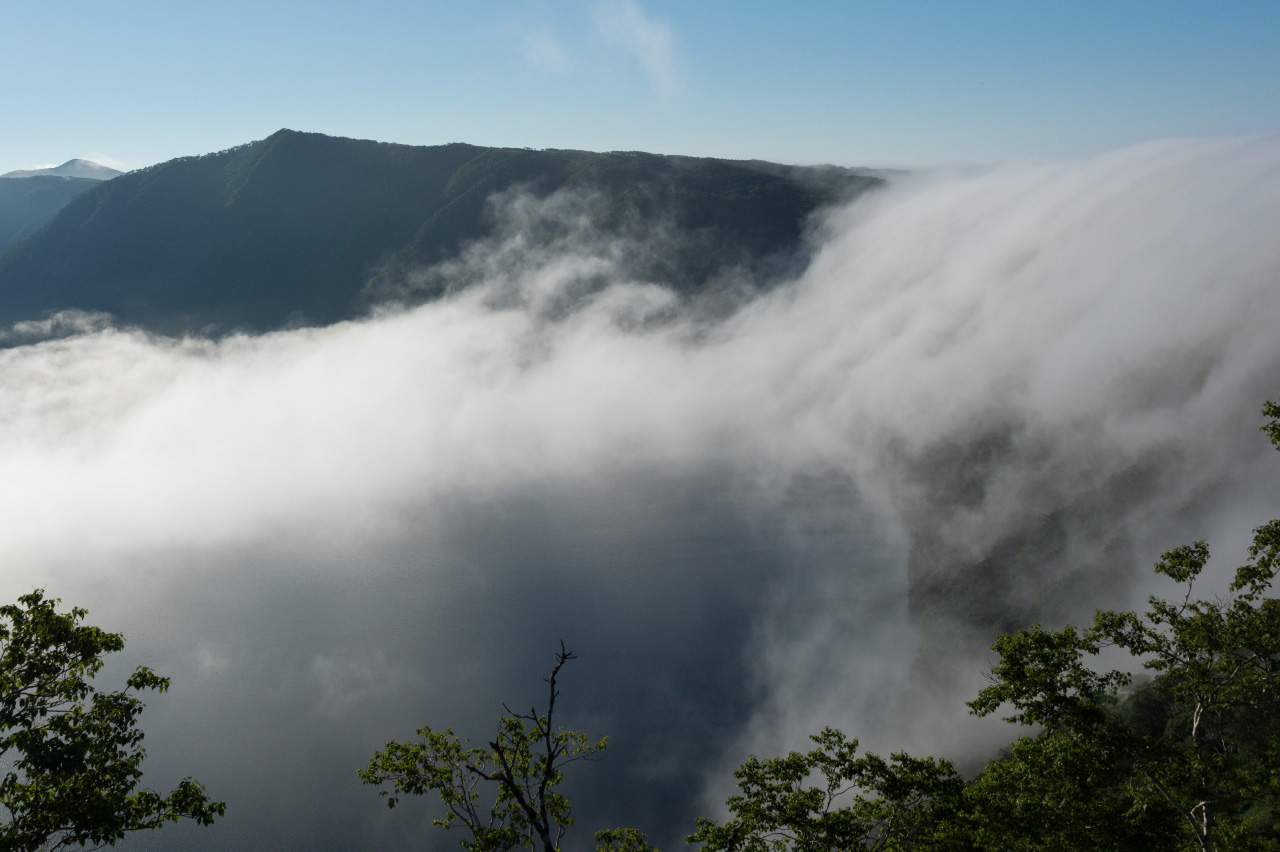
<point>289,229</point>
<point>27,203</point>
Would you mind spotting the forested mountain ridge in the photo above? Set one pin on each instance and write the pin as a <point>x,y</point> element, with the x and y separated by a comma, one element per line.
<point>289,229</point>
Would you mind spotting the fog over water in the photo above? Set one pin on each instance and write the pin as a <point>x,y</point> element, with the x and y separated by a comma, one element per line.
<point>329,537</point>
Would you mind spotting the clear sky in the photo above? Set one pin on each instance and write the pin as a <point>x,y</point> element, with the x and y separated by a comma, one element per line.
<point>135,82</point>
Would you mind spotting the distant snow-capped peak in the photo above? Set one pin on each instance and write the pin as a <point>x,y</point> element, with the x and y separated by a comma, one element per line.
<point>71,168</point>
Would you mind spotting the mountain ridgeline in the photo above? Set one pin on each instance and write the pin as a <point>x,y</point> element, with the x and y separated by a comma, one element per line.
<point>291,229</point>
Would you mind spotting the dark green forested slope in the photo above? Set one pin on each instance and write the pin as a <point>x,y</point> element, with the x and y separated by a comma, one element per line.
<point>27,203</point>
<point>290,228</point>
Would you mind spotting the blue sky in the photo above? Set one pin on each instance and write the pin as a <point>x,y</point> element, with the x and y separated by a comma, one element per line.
<point>857,83</point>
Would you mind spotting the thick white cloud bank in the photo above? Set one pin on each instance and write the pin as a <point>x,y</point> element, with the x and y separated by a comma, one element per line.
<point>332,536</point>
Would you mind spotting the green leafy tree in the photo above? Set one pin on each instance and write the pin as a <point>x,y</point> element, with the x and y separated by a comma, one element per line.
<point>72,753</point>
<point>1210,752</point>
<point>832,798</point>
<point>1189,759</point>
<point>1059,791</point>
<point>520,770</point>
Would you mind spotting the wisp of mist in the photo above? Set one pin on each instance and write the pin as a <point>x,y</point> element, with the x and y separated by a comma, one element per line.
<point>331,536</point>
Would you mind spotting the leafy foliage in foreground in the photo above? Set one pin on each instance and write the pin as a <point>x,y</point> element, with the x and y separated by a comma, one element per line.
<point>858,802</point>
<point>73,753</point>
<point>1200,741</point>
<point>522,767</point>
<point>1189,759</point>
